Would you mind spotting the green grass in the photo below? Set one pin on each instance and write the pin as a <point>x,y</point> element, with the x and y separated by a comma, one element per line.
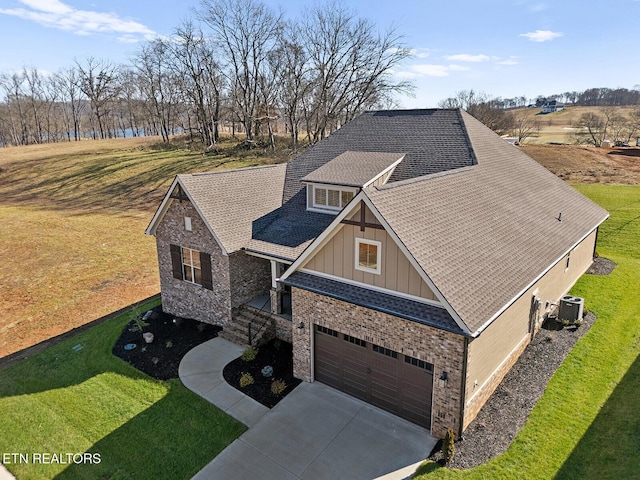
<point>64,401</point>
<point>586,426</point>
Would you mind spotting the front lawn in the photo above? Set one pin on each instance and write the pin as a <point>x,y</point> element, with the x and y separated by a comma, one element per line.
<point>586,426</point>
<point>77,397</point>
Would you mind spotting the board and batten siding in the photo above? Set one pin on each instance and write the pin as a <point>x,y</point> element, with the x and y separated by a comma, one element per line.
<point>495,350</point>
<point>337,257</point>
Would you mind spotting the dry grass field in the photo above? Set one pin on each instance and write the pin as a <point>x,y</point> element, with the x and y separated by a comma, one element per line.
<point>72,219</point>
<point>558,127</point>
<point>586,165</point>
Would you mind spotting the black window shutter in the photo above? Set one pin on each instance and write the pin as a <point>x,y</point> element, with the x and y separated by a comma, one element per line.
<point>176,261</point>
<point>205,266</point>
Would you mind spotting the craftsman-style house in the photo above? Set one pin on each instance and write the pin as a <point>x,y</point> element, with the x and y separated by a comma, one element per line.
<point>410,258</point>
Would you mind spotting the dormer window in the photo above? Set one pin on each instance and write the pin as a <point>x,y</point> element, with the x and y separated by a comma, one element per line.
<point>330,197</point>
<point>334,184</point>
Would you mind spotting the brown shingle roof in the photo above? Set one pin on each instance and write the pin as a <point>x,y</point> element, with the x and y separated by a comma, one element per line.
<point>231,200</point>
<point>353,168</point>
<point>484,233</point>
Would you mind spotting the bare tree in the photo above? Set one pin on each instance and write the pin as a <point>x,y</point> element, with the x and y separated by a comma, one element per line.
<point>34,95</point>
<point>594,128</point>
<point>13,85</point>
<point>66,82</point>
<point>247,31</point>
<point>159,84</point>
<point>293,78</point>
<point>352,66</point>
<point>195,61</point>
<point>98,80</point>
<point>483,108</point>
<point>130,99</point>
<point>524,126</point>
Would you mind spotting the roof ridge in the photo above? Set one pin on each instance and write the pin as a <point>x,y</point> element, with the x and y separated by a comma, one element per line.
<point>423,178</point>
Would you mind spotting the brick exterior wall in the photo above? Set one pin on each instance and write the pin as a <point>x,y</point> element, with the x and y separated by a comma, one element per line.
<point>284,329</point>
<point>237,278</point>
<point>250,277</point>
<point>182,298</point>
<point>442,349</point>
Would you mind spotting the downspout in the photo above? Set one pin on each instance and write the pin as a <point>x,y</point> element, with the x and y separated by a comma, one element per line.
<point>463,388</point>
<point>595,244</point>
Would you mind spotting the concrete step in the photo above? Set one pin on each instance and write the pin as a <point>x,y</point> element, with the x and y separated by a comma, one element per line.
<point>244,320</point>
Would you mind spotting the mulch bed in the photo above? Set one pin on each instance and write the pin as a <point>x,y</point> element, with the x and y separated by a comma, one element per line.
<point>507,410</point>
<point>173,338</point>
<point>601,266</point>
<point>277,354</point>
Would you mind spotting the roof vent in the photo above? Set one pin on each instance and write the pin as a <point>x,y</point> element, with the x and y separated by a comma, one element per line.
<point>560,217</point>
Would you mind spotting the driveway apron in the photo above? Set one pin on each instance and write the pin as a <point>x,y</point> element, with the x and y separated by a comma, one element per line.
<point>314,433</point>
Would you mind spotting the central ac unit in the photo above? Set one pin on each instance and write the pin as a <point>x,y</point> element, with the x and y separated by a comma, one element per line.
<point>571,308</point>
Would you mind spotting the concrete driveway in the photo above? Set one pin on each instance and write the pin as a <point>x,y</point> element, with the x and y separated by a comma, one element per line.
<point>315,432</point>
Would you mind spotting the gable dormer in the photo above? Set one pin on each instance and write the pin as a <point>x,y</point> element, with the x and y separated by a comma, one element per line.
<point>332,186</point>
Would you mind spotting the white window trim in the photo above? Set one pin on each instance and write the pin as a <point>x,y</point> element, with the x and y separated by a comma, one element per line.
<point>190,266</point>
<point>378,244</point>
<point>316,207</point>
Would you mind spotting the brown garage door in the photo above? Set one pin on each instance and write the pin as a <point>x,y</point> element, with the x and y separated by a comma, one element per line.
<point>385,378</point>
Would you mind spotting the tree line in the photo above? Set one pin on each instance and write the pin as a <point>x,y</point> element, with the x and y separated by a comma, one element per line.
<point>236,65</point>
<point>591,97</point>
<point>605,123</point>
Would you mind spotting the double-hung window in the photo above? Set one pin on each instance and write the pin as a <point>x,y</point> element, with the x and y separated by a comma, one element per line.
<point>191,266</point>
<point>191,269</point>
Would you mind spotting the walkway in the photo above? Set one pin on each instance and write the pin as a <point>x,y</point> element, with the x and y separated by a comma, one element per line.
<point>315,432</point>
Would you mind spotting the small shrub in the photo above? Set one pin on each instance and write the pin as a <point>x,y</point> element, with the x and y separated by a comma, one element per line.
<point>138,325</point>
<point>448,446</point>
<point>278,387</point>
<point>136,317</point>
<point>245,380</point>
<point>169,344</point>
<point>249,354</point>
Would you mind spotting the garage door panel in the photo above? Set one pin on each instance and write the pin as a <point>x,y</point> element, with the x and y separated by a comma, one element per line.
<point>375,374</point>
<point>328,358</point>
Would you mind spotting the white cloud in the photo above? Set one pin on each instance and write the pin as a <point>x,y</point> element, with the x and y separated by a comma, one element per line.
<point>542,35</point>
<point>465,57</point>
<point>457,68</point>
<point>430,70</point>
<point>420,52</point>
<point>508,61</point>
<point>55,14</point>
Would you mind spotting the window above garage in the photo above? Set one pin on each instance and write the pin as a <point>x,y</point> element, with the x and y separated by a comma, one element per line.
<point>368,255</point>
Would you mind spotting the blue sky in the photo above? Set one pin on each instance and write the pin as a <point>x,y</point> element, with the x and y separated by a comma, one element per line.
<point>504,48</point>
